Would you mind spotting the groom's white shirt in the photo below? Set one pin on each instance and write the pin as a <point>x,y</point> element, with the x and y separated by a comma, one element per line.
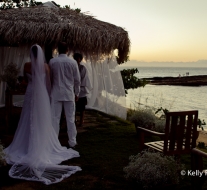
<point>65,78</point>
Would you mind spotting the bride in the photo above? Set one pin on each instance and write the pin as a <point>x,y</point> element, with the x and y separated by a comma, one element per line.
<point>35,151</point>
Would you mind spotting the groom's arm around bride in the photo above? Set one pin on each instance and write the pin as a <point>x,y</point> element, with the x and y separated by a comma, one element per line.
<point>65,89</point>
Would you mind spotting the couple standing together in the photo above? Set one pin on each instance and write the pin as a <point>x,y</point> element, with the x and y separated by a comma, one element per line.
<point>35,152</point>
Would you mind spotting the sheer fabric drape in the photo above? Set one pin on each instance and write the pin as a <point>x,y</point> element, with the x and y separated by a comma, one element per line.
<point>18,55</point>
<point>107,94</point>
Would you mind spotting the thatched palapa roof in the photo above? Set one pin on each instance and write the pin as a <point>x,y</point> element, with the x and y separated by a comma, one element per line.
<point>45,25</point>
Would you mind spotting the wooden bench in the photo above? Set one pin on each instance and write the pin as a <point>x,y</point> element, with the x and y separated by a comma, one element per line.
<point>179,137</point>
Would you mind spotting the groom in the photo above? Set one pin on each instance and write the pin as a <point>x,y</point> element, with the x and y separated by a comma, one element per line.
<point>65,90</point>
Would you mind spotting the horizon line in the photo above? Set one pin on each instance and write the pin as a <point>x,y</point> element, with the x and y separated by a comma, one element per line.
<point>142,61</point>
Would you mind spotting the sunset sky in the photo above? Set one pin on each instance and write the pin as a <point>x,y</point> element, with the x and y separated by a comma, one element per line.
<point>159,30</point>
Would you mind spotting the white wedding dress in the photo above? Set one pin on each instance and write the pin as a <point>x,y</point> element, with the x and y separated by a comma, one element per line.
<point>35,151</point>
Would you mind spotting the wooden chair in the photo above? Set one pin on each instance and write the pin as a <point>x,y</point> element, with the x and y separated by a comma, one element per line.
<point>179,137</point>
<point>197,165</point>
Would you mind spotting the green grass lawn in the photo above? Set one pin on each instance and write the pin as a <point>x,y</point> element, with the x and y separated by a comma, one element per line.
<point>104,151</point>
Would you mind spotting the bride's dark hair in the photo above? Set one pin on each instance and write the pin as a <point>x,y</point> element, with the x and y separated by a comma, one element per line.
<point>34,51</point>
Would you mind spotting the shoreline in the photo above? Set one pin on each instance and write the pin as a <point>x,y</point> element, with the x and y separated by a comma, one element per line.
<point>196,80</point>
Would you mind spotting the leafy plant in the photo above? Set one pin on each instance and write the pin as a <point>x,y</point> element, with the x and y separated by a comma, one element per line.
<point>10,75</point>
<point>10,4</point>
<point>152,169</point>
<point>2,156</point>
<point>147,119</point>
<point>201,145</point>
<point>130,81</point>
<point>143,118</point>
<point>78,10</point>
<point>200,123</point>
<point>160,125</point>
<point>67,6</point>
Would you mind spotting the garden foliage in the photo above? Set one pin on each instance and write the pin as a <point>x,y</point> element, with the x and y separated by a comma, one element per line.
<point>152,169</point>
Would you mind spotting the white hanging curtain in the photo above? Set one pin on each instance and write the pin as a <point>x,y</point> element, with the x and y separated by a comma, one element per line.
<point>107,94</point>
<point>17,55</point>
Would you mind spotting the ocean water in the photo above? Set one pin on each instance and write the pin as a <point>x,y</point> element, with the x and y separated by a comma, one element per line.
<point>173,98</point>
<point>148,72</point>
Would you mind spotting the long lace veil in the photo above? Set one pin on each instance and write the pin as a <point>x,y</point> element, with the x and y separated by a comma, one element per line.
<point>44,150</point>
